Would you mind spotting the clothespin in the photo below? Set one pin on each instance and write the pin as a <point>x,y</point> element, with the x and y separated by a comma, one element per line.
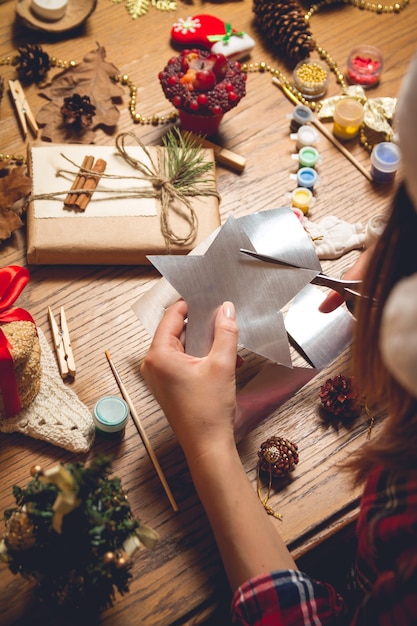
<point>24,113</point>
<point>62,344</point>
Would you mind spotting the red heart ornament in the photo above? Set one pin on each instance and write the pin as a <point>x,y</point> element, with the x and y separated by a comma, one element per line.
<point>210,32</point>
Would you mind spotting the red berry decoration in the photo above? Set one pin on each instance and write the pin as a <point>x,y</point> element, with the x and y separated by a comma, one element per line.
<point>204,80</point>
<point>199,81</point>
<point>339,397</point>
<point>278,456</point>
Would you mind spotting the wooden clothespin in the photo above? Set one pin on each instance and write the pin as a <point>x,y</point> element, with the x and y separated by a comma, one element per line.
<point>23,111</point>
<point>62,344</point>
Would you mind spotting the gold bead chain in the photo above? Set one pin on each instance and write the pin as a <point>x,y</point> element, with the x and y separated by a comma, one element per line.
<point>18,158</point>
<point>138,118</point>
<point>359,4</point>
<point>53,61</point>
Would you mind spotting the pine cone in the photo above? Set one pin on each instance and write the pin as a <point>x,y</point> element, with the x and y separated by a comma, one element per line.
<point>278,456</point>
<point>339,397</point>
<point>20,532</point>
<point>284,26</point>
<point>32,63</point>
<point>78,112</point>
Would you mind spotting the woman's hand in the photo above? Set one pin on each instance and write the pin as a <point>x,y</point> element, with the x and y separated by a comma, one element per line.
<point>197,395</point>
<point>356,272</point>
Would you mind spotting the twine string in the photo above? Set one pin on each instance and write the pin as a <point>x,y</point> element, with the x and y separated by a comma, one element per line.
<point>264,501</point>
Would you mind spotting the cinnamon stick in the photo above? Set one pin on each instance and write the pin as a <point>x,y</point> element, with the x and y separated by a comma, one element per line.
<point>79,181</point>
<point>90,184</point>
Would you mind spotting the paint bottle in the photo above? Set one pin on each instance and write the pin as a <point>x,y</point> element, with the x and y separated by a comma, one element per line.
<point>374,229</point>
<point>306,177</point>
<point>302,198</point>
<point>347,118</point>
<point>305,136</point>
<point>301,114</point>
<point>110,417</point>
<point>307,157</point>
<point>385,159</point>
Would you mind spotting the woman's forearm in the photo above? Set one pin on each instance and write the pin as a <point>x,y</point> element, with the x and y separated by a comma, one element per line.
<point>246,536</point>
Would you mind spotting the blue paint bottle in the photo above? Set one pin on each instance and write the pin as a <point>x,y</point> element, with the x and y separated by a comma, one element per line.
<point>385,159</point>
<point>307,177</point>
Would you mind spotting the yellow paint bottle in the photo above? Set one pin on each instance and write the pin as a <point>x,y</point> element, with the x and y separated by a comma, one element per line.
<point>347,118</point>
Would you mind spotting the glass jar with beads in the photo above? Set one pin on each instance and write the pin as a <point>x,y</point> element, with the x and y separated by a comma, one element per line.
<point>311,78</point>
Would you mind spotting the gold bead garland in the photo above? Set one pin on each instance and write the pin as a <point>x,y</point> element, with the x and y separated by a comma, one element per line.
<point>18,158</point>
<point>360,4</point>
<point>138,118</point>
<point>54,62</point>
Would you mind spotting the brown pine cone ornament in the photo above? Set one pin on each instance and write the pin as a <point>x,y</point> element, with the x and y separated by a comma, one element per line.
<point>339,397</point>
<point>278,456</point>
<point>78,112</point>
<point>32,64</point>
<point>284,26</point>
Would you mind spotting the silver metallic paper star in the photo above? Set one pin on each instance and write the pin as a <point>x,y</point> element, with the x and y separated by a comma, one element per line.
<point>258,290</point>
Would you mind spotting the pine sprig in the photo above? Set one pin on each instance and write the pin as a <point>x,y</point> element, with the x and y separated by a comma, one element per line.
<point>185,165</point>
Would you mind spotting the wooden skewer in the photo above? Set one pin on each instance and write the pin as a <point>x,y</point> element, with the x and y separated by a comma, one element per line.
<point>324,131</point>
<point>142,433</point>
<point>90,184</point>
<point>79,181</point>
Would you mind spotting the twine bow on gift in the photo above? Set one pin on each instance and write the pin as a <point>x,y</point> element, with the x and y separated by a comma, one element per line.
<point>13,279</point>
<point>225,38</point>
<point>176,178</point>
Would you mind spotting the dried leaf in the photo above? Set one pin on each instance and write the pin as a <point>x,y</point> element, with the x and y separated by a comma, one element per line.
<point>14,188</point>
<point>9,221</point>
<point>92,78</point>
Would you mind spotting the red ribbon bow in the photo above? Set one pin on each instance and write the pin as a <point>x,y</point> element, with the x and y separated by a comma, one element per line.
<point>13,279</point>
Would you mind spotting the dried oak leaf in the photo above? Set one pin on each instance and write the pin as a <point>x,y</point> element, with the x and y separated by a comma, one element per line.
<point>93,78</point>
<point>15,186</point>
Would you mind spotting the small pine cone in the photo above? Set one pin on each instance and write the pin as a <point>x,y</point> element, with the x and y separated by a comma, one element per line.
<point>278,456</point>
<point>284,26</point>
<point>20,532</point>
<point>32,63</point>
<point>78,112</point>
<point>339,397</point>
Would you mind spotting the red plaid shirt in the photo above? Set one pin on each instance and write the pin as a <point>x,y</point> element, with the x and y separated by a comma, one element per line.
<point>386,570</point>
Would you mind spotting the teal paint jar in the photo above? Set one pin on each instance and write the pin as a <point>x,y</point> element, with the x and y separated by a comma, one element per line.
<point>110,417</point>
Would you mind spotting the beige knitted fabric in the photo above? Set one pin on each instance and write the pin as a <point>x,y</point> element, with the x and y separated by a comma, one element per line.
<point>56,415</point>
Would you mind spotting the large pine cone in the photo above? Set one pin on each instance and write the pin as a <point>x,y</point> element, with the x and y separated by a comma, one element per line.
<point>284,26</point>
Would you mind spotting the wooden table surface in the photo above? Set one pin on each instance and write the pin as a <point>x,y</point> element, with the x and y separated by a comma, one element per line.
<point>182,581</point>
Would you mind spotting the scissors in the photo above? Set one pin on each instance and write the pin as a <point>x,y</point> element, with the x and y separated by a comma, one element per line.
<point>349,289</point>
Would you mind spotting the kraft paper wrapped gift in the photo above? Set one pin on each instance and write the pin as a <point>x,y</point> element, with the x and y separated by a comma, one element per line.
<point>114,229</point>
